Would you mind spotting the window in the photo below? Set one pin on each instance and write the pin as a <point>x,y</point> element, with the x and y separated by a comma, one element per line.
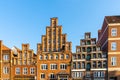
<point>44,49</point>
<point>62,56</point>
<point>44,66</point>
<point>53,66</point>
<point>78,50</point>
<point>51,56</point>
<point>46,57</point>
<point>52,76</point>
<point>99,74</point>
<point>49,41</point>
<point>25,55</point>
<point>74,65</point>
<point>6,57</point>
<point>25,62</point>
<point>63,66</point>
<point>87,74</point>
<point>58,49</point>
<point>113,46</point>
<point>113,32</point>
<point>17,70</point>
<point>25,70</point>
<point>20,62</point>
<point>67,56</point>
<point>102,74</point>
<point>57,56</point>
<point>20,55</point>
<point>5,70</point>
<point>74,57</point>
<point>79,56</point>
<point>83,56</point>
<point>79,65</point>
<point>113,61</point>
<point>32,70</point>
<point>95,74</point>
<point>77,74</point>
<point>83,65</point>
<point>42,76</point>
<point>40,57</point>
<point>30,55</point>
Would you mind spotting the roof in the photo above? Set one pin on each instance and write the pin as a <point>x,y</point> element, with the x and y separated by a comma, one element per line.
<point>17,48</point>
<point>113,19</point>
<point>5,47</point>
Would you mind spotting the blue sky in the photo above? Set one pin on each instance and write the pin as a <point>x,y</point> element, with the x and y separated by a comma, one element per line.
<point>25,21</point>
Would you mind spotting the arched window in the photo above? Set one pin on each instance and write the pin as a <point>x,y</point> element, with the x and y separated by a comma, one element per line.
<point>79,66</point>
<point>46,57</point>
<point>99,64</point>
<point>41,57</point>
<point>51,56</point>
<point>62,56</point>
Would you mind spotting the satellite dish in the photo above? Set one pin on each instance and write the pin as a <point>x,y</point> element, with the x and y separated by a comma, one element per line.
<point>14,51</point>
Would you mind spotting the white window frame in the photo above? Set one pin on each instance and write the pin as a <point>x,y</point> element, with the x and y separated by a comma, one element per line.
<point>95,74</point>
<point>63,66</point>
<point>52,76</point>
<point>113,46</point>
<point>25,70</point>
<point>114,32</point>
<point>113,61</point>
<point>5,57</point>
<point>102,74</point>
<point>5,70</point>
<point>17,71</point>
<point>41,76</point>
<point>44,66</point>
<point>53,66</point>
<point>32,70</point>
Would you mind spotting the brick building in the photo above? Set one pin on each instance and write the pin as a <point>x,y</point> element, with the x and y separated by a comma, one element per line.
<point>23,63</point>
<point>54,60</point>
<point>5,62</point>
<point>89,62</point>
<point>54,54</point>
<point>109,40</point>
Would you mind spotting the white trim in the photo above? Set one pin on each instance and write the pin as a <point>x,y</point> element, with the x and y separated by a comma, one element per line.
<point>113,46</point>
<point>113,38</point>
<point>100,59</point>
<point>78,70</point>
<point>79,60</point>
<point>16,70</point>
<point>114,24</point>
<point>113,69</point>
<point>25,71</point>
<point>101,69</point>
<point>113,52</point>
<point>32,69</point>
